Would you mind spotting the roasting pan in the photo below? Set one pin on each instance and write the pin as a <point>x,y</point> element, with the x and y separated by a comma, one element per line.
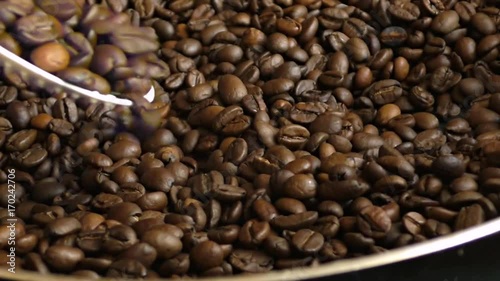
<point>350,269</point>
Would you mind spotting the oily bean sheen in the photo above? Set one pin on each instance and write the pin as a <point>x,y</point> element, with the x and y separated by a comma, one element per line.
<point>282,134</point>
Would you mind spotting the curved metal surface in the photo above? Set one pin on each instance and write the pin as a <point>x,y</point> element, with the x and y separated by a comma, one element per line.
<point>43,79</point>
<point>329,269</point>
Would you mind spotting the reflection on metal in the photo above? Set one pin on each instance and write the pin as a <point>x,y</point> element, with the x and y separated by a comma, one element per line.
<point>329,269</point>
<point>37,77</point>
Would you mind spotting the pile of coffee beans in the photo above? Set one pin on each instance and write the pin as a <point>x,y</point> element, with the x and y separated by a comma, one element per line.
<point>283,133</point>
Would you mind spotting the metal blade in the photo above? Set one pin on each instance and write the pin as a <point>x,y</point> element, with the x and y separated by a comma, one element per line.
<point>35,76</point>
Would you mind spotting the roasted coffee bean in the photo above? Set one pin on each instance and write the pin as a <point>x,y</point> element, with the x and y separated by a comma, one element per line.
<point>429,140</point>
<point>277,246</point>
<point>307,241</point>
<point>373,221</point>
<point>63,226</point>
<point>36,29</point>
<point>405,11</point>
<point>383,92</point>
<point>21,140</point>
<point>413,222</point>
<point>127,38</point>
<point>125,212</point>
<point>393,36</point>
<point>166,244</point>
<point>206,255</point>
<point>178,265</point>
<point>63,258</point>
<point>253,233</point>
<point>289,206</point>
<point>300,186</point>
<point>119,238</point>
<point>327,226</point>
<point>250,261</point>
<point>31,157</point>
<point>85,78</point>
<point>469,216</point>
<point>50,57</point>
<point>295,221</point>
<point>358,241</point>
<point>126,268</point>
<point>143,252</point>
<point>448,166</point>
<point>231,89</point>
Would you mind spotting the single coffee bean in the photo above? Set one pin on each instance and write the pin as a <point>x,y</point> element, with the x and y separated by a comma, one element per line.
<point>166,244</point>
<point>21,140</point>
<point>51,57</point>
<point>307,241</point>
<point>253,233</point>
<point>38,28</point>
<point>250,261</point>
<point>469,216</point>
<point>373,221</point>
<point>206,255</point>
<point>63,258</point>
<point>413,222</point>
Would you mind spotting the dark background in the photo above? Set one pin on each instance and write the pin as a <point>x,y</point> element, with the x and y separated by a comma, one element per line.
<point>475,261</point>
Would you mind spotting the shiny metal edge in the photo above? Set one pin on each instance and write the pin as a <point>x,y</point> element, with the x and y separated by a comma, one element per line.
<point>329,269</point>
<point>9,59</point>
<point>150,96</point>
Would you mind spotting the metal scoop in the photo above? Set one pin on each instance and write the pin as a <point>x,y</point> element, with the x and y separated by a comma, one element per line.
<point>42,78</point>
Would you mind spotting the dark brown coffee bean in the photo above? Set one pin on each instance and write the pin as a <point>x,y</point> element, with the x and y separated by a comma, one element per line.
<point>31,157</point>
<point>342,190</point>
<point>254,232</point>
<point>251,261</point>
<point>307,241</point>
<point>429,140</point>
<point>63,258</point>
<point>429,185</point>
<point>383,92</point>
<point>7,95</point>
<point>152,201</point>
<point>289,206</point>
<point>127,38</point>
<point>142,252</point>
<point>119,238</point>
<point>328,226</point>
<point>441,214</point>
<point>469,216</point>
<point>295,221</point>
<point>166,244</point>
<point>448,166</point>
<point>206,255</point>
<point>293,136</point>
<point>373,221</point>
<point>413,222</point>
<point>333,250</point>
<point>126,268</point>
<point>63,226</point>
<point>125,212</point>
<point>445,22</point>
<point>393,36</point>
<point>405,11</point>
<point>231,89</point>
<point>277,246</point>
<point>36,29</point>
<point>358,241</point>
<point>21,140</point>
<point>300,186</point>
<point>224,234</point>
